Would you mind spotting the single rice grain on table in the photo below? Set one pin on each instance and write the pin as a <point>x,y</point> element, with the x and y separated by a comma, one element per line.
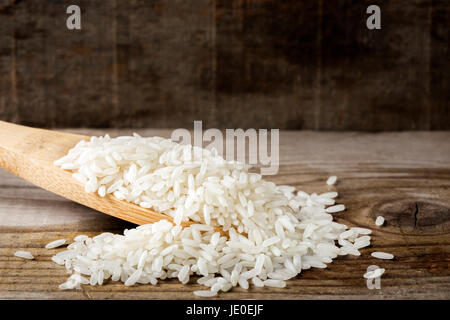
<point>272,232</point>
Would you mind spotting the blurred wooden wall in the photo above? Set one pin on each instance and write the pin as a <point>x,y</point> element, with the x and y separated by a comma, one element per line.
<point>298,64</point>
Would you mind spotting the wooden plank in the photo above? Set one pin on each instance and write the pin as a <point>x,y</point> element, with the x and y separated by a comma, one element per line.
<point>290,65</point>
<point>402,176</point>
<point>30,153</point>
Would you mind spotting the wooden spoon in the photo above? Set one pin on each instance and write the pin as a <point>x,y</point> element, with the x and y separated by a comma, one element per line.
<point>29,153</point>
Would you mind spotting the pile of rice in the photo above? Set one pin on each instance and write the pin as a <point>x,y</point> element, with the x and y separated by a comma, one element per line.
<point>274,232</point>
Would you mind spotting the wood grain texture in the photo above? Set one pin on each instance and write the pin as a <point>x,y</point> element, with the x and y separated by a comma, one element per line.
<point>284,64</point>
<point>403,176</point>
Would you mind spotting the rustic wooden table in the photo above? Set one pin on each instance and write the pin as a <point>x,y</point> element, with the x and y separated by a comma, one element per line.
<point>403,176</point>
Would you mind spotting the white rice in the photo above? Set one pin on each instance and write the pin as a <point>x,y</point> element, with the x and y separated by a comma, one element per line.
<point>331,180</point>
<point>274,283</point>
<point>379,221</point>
<point>374,274</point>
<point>331,195</point>
<point>184,182</point>
<point>73,282</point>
<point>336,208</point>
<point>55,244</point>
<point>382,255</point>
<point>205,293</point>
<point>359,231</point>
<point>24,255</point>
<point>274,232</point>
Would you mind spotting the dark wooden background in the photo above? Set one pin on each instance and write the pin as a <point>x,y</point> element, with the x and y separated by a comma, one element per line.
<point>298,64</point>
